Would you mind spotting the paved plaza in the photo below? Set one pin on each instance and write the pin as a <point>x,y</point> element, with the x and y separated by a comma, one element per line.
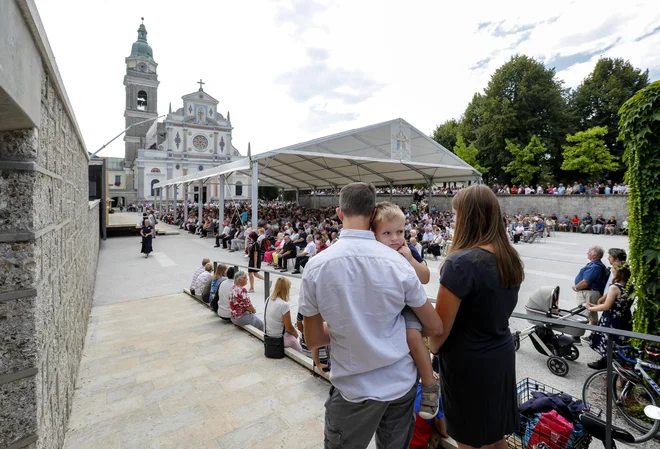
<point>159,370</point>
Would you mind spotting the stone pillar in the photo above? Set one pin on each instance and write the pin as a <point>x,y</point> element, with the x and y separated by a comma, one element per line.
<point>221,202</point>
<point>140,182</point>
<point>176,195</point>
<point>255,194</point>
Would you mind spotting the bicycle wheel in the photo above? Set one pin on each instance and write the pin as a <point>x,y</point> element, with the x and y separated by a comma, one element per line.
<point>594,392</point>
<point>630,399</point>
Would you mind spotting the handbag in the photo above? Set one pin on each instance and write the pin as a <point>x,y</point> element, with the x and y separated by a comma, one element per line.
<point>273,346</point>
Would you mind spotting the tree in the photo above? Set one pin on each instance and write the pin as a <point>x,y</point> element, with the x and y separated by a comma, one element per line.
<point>525,163</point>
<point>468,154</point>
<point>589,155</point>
<point>596,102</point>
<point>446,134</point>
<point>640,132</point>
<point>523,99</point>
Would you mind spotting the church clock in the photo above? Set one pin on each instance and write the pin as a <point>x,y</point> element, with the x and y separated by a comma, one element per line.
<point>143,67</point>
<point>200,143</point>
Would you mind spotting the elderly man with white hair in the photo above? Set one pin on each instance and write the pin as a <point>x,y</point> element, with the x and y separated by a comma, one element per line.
<point>590,283</point>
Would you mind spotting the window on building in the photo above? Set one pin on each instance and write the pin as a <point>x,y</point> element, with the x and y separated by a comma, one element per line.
<point>142,101</point>
<point>153,187</point>
<point>239,188</point>
<point>117,180</point>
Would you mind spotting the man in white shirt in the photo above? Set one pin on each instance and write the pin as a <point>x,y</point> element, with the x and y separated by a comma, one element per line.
<point>303,257</point>
<point>351,297</point>
<point>222,235</point>
<point>196,274</point>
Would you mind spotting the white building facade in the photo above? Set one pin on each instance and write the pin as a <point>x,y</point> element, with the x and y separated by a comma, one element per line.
<point>194,138</point>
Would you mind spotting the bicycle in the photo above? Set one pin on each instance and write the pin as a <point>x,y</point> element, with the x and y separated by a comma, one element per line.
<point>632,388</point>
<point>596,427</point>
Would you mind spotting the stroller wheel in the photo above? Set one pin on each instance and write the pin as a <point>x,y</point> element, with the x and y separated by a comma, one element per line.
<point>573,355</point>
<point>516,341</point>
<point>558,366</point>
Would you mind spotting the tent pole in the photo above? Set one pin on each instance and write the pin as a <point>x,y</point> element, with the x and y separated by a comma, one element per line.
<point>185,204</point>
<point>255,194</point>
<point>221,205</point>
<point>200,202</point>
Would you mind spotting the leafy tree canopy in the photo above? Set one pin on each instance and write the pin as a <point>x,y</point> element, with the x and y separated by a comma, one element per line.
<point>596,102</point>
<point>446,134</point>
<point>523,99</point>
<point>468,154</point>
<point>588,153</point>
<point>525,163</point>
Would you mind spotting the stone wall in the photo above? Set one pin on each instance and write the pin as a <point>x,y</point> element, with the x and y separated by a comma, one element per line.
<point>607,205</point>
<point>49,243</point>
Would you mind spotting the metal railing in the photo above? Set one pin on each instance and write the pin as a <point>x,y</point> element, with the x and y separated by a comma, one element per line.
<point>522,316</point>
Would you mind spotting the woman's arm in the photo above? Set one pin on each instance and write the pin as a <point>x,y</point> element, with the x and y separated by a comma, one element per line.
<point>612,295</point>
<point>446,307</point>
<point>288,325</point>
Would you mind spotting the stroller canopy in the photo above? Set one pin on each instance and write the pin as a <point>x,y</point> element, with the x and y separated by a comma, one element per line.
<point>543,299</point>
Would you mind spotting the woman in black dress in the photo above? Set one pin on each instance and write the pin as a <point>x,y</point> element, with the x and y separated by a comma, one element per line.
<point>147,235</point>
<point>254,259</point>
<point>479,285</point>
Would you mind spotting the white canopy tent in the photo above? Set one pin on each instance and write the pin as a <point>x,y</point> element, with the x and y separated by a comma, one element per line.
<point>385,154</point>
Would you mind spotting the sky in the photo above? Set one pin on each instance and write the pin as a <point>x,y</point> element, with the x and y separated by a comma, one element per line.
<point>294,70</point>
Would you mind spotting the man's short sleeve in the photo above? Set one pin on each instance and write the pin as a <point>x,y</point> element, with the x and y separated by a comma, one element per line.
<point>457,277</point>
<point>591,274</point>
<point>307,304</point>
<point>415,295</point>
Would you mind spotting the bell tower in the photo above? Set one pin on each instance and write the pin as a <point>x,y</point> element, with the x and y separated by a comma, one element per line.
<point>141,82</point>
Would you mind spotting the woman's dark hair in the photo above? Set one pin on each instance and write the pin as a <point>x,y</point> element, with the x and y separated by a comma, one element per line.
<point>230,273</point>
<point>253,236</point>
<point>478,215</point>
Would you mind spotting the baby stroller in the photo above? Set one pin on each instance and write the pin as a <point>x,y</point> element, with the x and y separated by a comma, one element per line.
<point>558,348</point>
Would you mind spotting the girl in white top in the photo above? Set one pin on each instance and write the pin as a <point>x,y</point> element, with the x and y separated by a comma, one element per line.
<point>278,315</point>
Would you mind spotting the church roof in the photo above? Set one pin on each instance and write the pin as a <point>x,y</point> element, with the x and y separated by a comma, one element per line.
<point>200,95</point>
<point>140,46</point>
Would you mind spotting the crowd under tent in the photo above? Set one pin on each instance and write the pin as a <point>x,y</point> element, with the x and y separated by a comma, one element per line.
<point>386,154</point>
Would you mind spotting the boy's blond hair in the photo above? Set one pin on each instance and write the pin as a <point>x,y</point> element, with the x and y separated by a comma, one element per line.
<point>386,211</point>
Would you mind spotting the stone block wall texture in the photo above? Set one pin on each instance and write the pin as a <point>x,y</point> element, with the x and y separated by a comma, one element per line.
<point>49,244</point>
<point>607,205</point>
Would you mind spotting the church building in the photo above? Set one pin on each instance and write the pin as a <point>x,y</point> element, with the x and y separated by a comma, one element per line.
<point>194,138</point>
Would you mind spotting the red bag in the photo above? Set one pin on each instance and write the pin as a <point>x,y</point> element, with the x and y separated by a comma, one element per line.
<point>551,432</point>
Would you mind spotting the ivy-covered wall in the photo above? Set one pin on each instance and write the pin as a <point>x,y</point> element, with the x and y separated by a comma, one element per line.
<point>640,131</point>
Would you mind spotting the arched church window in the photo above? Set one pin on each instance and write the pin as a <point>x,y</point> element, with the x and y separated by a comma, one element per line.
<point>239,188</point>
<point>153,187</point>
<point>142,101</point>
<point>155,170</point>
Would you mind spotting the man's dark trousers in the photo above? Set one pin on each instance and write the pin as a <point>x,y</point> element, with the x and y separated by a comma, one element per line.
<point>301,261</point>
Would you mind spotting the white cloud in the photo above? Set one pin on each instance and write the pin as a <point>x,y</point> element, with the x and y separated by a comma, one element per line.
<point>293,70</point>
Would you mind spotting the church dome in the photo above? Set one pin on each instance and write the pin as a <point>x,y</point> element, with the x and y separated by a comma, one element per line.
<point>140,46</point>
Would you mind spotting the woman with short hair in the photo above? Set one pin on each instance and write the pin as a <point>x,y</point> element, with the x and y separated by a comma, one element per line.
<point>479,284</point>
<point>242,310</point>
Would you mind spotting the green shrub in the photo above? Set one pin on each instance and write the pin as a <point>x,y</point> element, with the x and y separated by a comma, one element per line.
<point>639,127</point>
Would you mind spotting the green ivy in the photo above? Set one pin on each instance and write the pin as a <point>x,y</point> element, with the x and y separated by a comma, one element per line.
<point>639,127</point>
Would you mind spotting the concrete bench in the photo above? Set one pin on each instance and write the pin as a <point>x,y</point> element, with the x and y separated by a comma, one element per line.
<point>294,355</point>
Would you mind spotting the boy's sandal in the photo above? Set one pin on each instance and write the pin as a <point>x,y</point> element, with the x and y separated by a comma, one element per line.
<point>430,401</point>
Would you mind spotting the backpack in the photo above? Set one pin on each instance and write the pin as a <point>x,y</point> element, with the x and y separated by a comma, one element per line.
<point>265,245</point>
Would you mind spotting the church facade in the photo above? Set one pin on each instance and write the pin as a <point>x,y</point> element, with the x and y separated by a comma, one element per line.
<point>194,138</point>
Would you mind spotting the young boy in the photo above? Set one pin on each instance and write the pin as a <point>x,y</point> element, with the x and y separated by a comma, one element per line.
<point>388,227</point>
